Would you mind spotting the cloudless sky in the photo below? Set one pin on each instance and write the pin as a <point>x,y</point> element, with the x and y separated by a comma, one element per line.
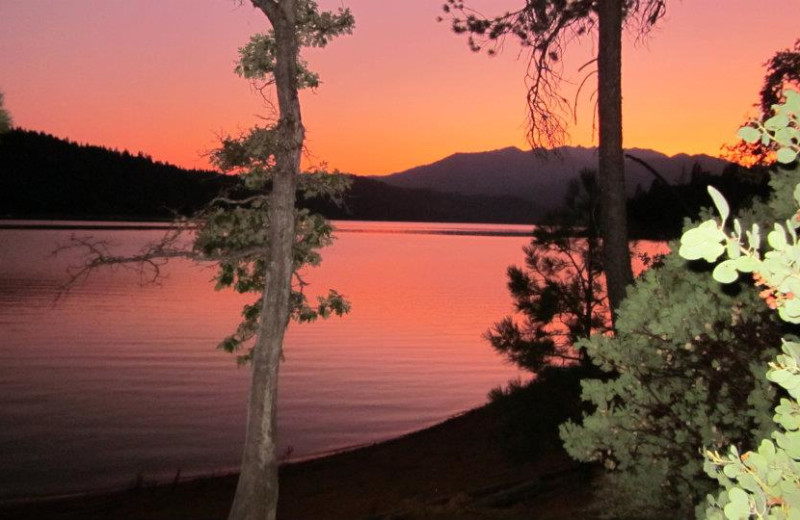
<point>157,76</point>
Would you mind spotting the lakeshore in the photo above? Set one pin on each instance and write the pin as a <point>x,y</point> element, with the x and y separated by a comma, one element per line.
<point>463,468</point>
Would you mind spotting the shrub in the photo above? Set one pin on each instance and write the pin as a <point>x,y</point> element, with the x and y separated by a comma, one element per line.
<point>764,483</point>
<point>676,348</point>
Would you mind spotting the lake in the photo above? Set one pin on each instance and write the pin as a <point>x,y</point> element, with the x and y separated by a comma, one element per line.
<point>120,379</point>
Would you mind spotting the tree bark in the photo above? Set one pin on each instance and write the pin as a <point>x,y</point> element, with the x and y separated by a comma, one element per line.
<point>257,490</point>
<point>614,224</point>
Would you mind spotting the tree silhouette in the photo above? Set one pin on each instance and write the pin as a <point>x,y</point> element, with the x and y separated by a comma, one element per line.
<point>560,293</point>
<point>546,27</point>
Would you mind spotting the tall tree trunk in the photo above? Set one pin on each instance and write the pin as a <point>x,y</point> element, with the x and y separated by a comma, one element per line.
<point>257,490</point>
<point>614,223</point>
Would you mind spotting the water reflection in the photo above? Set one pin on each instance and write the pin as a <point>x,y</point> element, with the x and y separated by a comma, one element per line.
<point>120,379</point>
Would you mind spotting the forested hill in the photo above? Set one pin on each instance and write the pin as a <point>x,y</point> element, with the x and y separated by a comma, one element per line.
<point>42,176</point>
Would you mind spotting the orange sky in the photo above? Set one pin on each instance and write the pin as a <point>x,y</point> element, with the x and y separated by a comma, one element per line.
<point>156,76</point>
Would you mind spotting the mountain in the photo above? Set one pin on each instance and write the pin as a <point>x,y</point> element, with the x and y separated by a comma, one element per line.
<point>540,177</point>
<point>42,176</point>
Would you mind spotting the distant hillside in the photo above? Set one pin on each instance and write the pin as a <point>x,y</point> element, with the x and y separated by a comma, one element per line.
<point>42,176</point>
<point>541,178</point>
<point>370,199</point>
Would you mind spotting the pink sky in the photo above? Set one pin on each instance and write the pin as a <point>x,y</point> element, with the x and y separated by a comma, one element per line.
<point>156,76</point>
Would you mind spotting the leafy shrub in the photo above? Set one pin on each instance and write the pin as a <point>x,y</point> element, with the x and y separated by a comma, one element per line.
<point>764,483</point>
<point>676,349</point>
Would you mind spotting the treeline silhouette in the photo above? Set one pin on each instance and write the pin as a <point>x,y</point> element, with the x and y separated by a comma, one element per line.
<point>42,176</point>
<point>369,199</point>
<point>45,177</point>
<point>659,212</point>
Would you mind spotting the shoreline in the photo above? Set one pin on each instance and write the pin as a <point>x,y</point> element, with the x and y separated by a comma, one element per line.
<point>161,480</point>
<point>169,478</point>
<point>453,467</point>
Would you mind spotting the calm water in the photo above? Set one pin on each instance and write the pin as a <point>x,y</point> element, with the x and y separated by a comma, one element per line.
<point>119,379</point>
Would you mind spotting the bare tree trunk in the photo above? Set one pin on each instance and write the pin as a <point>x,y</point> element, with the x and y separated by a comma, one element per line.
<point>614,223</point>
<point>257,490</point>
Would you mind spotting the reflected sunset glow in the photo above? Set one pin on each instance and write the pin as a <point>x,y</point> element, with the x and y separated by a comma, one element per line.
<point>134,369</point>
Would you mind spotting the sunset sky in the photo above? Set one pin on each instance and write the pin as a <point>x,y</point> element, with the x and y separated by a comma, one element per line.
<point>157,76</point>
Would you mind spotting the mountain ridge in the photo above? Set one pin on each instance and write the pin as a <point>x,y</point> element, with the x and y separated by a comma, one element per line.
<point>540,177</point>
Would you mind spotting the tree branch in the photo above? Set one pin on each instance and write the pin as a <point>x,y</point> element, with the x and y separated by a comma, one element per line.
<point>148,262</point>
